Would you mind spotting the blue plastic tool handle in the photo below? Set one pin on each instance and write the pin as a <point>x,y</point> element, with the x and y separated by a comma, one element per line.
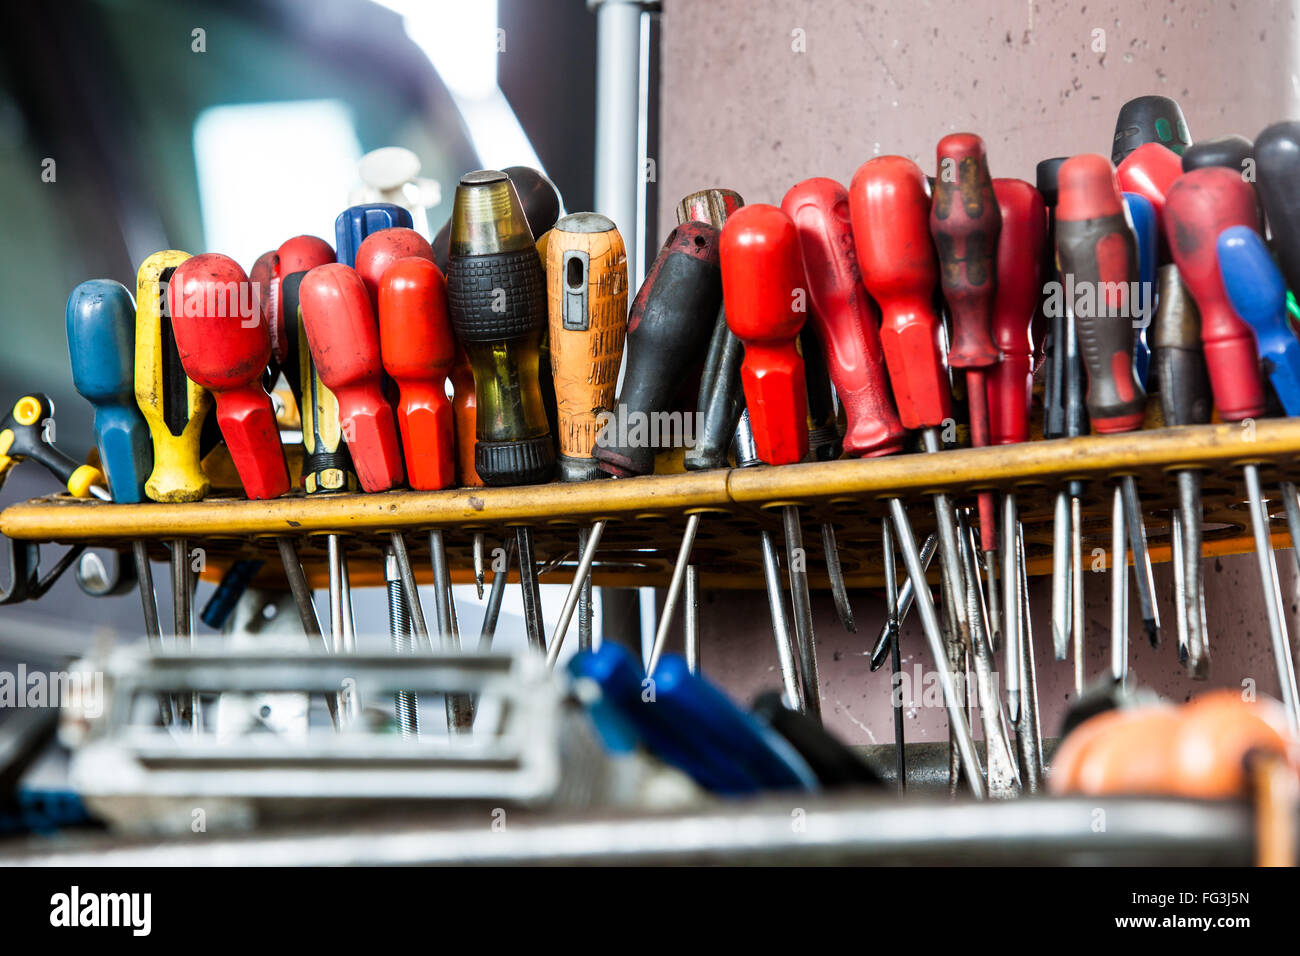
<point>100,320</point>
<point>623,687</point>
<point>356,222</point>
<point>703,708</point>
<point>1257,292</point>
<point>1146,227</point>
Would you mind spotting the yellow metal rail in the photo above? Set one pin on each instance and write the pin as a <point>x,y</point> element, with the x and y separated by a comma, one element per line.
<point>646,515</point>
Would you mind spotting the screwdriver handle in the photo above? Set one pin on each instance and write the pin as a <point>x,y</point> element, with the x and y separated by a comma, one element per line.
<point>667,331</point>
<point>381,249</point>
<point>965,222</point>
<point>1233,152</point>
<point>27,432</point>
<point>765,298</point>
<point>355,223</point>
<point>890,208</point>
<point>1149,119</point>
<point>343,335</point>
<point>1096,248</point>
<point>224,346</point>
<point>844,318</point>
<point>418,349</point>
<point>1053,315</point>
<point>1010,383</point>
<point>464,406</point>
<point>173,406</point>
<point>1149,171</point>
<point>1277,167</point>
<point>721,397</point>
<point>326,464</point>
<point>100,319</point>
<point>538,196</point>
<point>1146,230</point>
<point>1198,208</point>
<point>266,288</point>
<point>1257,292</point>
<point>294,257</point>
<point>586,291</point>
<point>1185,396</point>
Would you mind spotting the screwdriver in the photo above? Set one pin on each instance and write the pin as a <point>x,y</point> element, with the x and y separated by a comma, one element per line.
<point>326,465</point>
<point>718,409</point>
<point>1199,207</point>
<point>377,254</point>
<point>100,319</point>
<point>542,206</point>
<point>669,323</point>
<point>1185,399</point>
<point>174,408</point>
<point>762,286</point>
<point>1096,246</point>
<point>889,206</point>
<point>1146,230</point>
<point>1010,384</point>
<point>225,346</point>
<point>496,296</point>
<point>965,223</point>
<point>586,291</point>
<point>1065,415</point>
<point>846,324</point>
<point>417,349</point>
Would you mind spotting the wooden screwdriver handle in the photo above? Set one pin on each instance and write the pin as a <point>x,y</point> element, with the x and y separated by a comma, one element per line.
<point>586,295</point>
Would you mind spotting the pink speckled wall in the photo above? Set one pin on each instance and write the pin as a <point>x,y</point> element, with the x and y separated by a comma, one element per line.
<point>758,94</point>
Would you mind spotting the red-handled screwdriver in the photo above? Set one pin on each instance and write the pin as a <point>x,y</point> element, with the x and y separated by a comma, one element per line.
<point>1024,227</point>
<point>224,346</point>
<point>764,294</point>
<point>1096,248</point>
<point>1199,207</point>
<point>965,222</point>
<point>890,204</point>
<point>847,325</point>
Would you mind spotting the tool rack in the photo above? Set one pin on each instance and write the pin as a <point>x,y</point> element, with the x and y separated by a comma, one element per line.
<point>645,515</point>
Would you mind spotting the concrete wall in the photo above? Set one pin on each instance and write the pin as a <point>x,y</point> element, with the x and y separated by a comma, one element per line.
<point>759,94</point>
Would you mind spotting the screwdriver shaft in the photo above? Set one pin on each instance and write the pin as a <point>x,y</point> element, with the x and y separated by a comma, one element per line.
<point>1118,599</point>
<point>1137,545</point>
<point>1029,732</point>
<point>149,605</point>
<point>835,572</point>
<point>796,564</point>
<point>930,624</point>
<point>691,624</point>
<point>334,545</point>
<point>1076,581</point>
<point>532,598</point>
<point>780,623</point>
<point>406,704</point>
<point>895,654</point>
<point>1179,567</point>
<point>459,707</point>
<point>1061,580</point>
<point>580,576</point>
<point>902,606</point>
<point>584,598</point>
<point>1272,597</point>
<point>1011,607</point>
<point>493,610</point>
<point>414,610</point>
<point>674,590</point>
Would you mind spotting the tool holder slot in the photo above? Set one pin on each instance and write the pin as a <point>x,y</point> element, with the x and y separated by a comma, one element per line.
<point>645,515</point>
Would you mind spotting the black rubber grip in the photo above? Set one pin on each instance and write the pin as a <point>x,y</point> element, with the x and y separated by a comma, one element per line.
<point>722,399</point>
<point>496,297</point>
<point>1185,394</point>
<point>1116,398</point>
<point>1232,152</point>
<point>1149,119</point>
<point>1277,159</point>
<point>528,461</point>
<point>671,321</point>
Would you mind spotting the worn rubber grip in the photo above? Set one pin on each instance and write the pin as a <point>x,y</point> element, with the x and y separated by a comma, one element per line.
<point>1199,207</point>
<point>1097,254</point>
<point>1149,119</point>
<point>1010,384</point>
<point>668,329</point>
<point>965,222</point>
<point>1277,167</point>
<point>1231,152</point>
<point>1185,396</point>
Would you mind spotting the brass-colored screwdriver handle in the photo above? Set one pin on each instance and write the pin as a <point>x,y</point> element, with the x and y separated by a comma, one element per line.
<point>586,293</point>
